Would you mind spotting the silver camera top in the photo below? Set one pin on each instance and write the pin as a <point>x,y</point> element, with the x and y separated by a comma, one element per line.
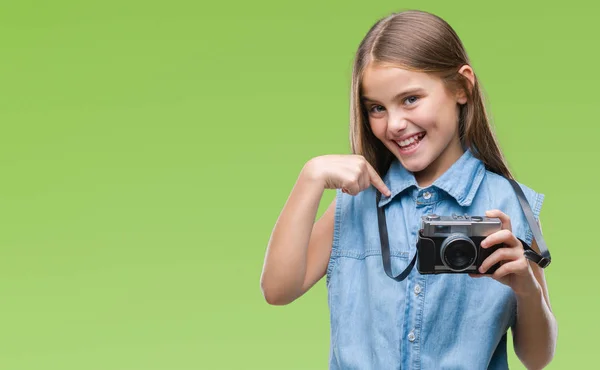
<point>435,225</point>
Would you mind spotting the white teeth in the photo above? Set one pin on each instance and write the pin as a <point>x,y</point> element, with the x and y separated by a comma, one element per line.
<point>406,142</point>
<point>411,140</point>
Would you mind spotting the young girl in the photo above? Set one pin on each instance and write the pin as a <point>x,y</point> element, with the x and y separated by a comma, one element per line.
<point>420,136</point>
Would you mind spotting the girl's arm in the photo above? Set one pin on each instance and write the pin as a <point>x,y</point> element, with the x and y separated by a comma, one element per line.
<point>299,248</point>
<point>535,332</point>
<point>536,329</point>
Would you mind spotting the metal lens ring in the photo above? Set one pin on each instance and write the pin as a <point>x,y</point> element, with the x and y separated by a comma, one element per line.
<point>458,252</point>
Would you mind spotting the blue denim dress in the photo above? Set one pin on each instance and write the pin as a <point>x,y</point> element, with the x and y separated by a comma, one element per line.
<point>445,321</point>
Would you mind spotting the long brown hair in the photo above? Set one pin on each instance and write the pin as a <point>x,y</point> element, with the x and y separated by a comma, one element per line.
<point>423,42</point>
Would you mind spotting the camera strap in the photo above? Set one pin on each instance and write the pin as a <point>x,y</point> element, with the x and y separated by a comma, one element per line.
<point>542,259</point>
<point>385,246</point>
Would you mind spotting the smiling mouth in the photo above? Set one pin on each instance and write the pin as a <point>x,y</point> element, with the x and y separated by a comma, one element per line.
<point>411,143</point>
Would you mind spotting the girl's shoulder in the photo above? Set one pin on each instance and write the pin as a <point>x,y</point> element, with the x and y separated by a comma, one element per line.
<point>498,187</point>
<point>496,192</point>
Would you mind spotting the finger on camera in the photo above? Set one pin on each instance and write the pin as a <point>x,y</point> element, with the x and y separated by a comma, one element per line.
<point>510,268</point>
<point>502,216</point>
<point>500,255</point>
<point>500,237</point>
<point>377,182</point>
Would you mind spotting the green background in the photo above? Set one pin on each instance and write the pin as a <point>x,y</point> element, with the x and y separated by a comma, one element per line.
<point>147,148</point>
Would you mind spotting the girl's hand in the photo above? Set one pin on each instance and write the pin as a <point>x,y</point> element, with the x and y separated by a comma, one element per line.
<point>349,172</point>
<point>514,269</point>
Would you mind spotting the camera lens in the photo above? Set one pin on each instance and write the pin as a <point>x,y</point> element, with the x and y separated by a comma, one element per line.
<point>458,252</point>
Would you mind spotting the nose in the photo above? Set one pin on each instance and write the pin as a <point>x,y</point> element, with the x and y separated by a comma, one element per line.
<point>396,124</point>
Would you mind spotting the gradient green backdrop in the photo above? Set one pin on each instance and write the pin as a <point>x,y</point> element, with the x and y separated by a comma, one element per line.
<point>147,149</point>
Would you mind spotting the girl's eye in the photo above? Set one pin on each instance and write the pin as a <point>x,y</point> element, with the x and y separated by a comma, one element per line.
<point>411,97</point>
<point>374,107</point>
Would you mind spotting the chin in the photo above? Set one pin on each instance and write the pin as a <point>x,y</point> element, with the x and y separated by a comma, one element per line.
<point>413,164</point>
<point>414,167</point>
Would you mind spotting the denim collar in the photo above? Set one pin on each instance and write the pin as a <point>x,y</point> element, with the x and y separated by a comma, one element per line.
<point>460,181</point>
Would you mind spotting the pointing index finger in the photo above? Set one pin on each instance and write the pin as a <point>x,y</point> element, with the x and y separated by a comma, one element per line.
<point>378,182</point>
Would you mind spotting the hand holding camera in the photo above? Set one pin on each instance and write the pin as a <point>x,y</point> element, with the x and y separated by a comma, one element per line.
<point>515,270</point>
<point>476,245</point>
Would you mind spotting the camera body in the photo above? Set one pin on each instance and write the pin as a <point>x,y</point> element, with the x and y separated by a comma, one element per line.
<point>451,244</point>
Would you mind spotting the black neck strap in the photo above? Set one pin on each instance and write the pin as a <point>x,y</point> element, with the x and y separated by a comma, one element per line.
<point>542,259</point>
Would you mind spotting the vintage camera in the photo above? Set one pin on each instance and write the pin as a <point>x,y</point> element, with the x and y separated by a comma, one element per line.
<point>451,244</point>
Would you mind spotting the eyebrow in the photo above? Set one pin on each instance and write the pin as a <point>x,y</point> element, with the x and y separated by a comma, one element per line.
<point>409,91</point>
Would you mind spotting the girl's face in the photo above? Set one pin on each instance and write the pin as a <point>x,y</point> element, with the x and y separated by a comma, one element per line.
<point>415,117</point>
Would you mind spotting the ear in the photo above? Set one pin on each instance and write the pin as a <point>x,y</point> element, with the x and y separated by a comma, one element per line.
<point>466,71</point>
